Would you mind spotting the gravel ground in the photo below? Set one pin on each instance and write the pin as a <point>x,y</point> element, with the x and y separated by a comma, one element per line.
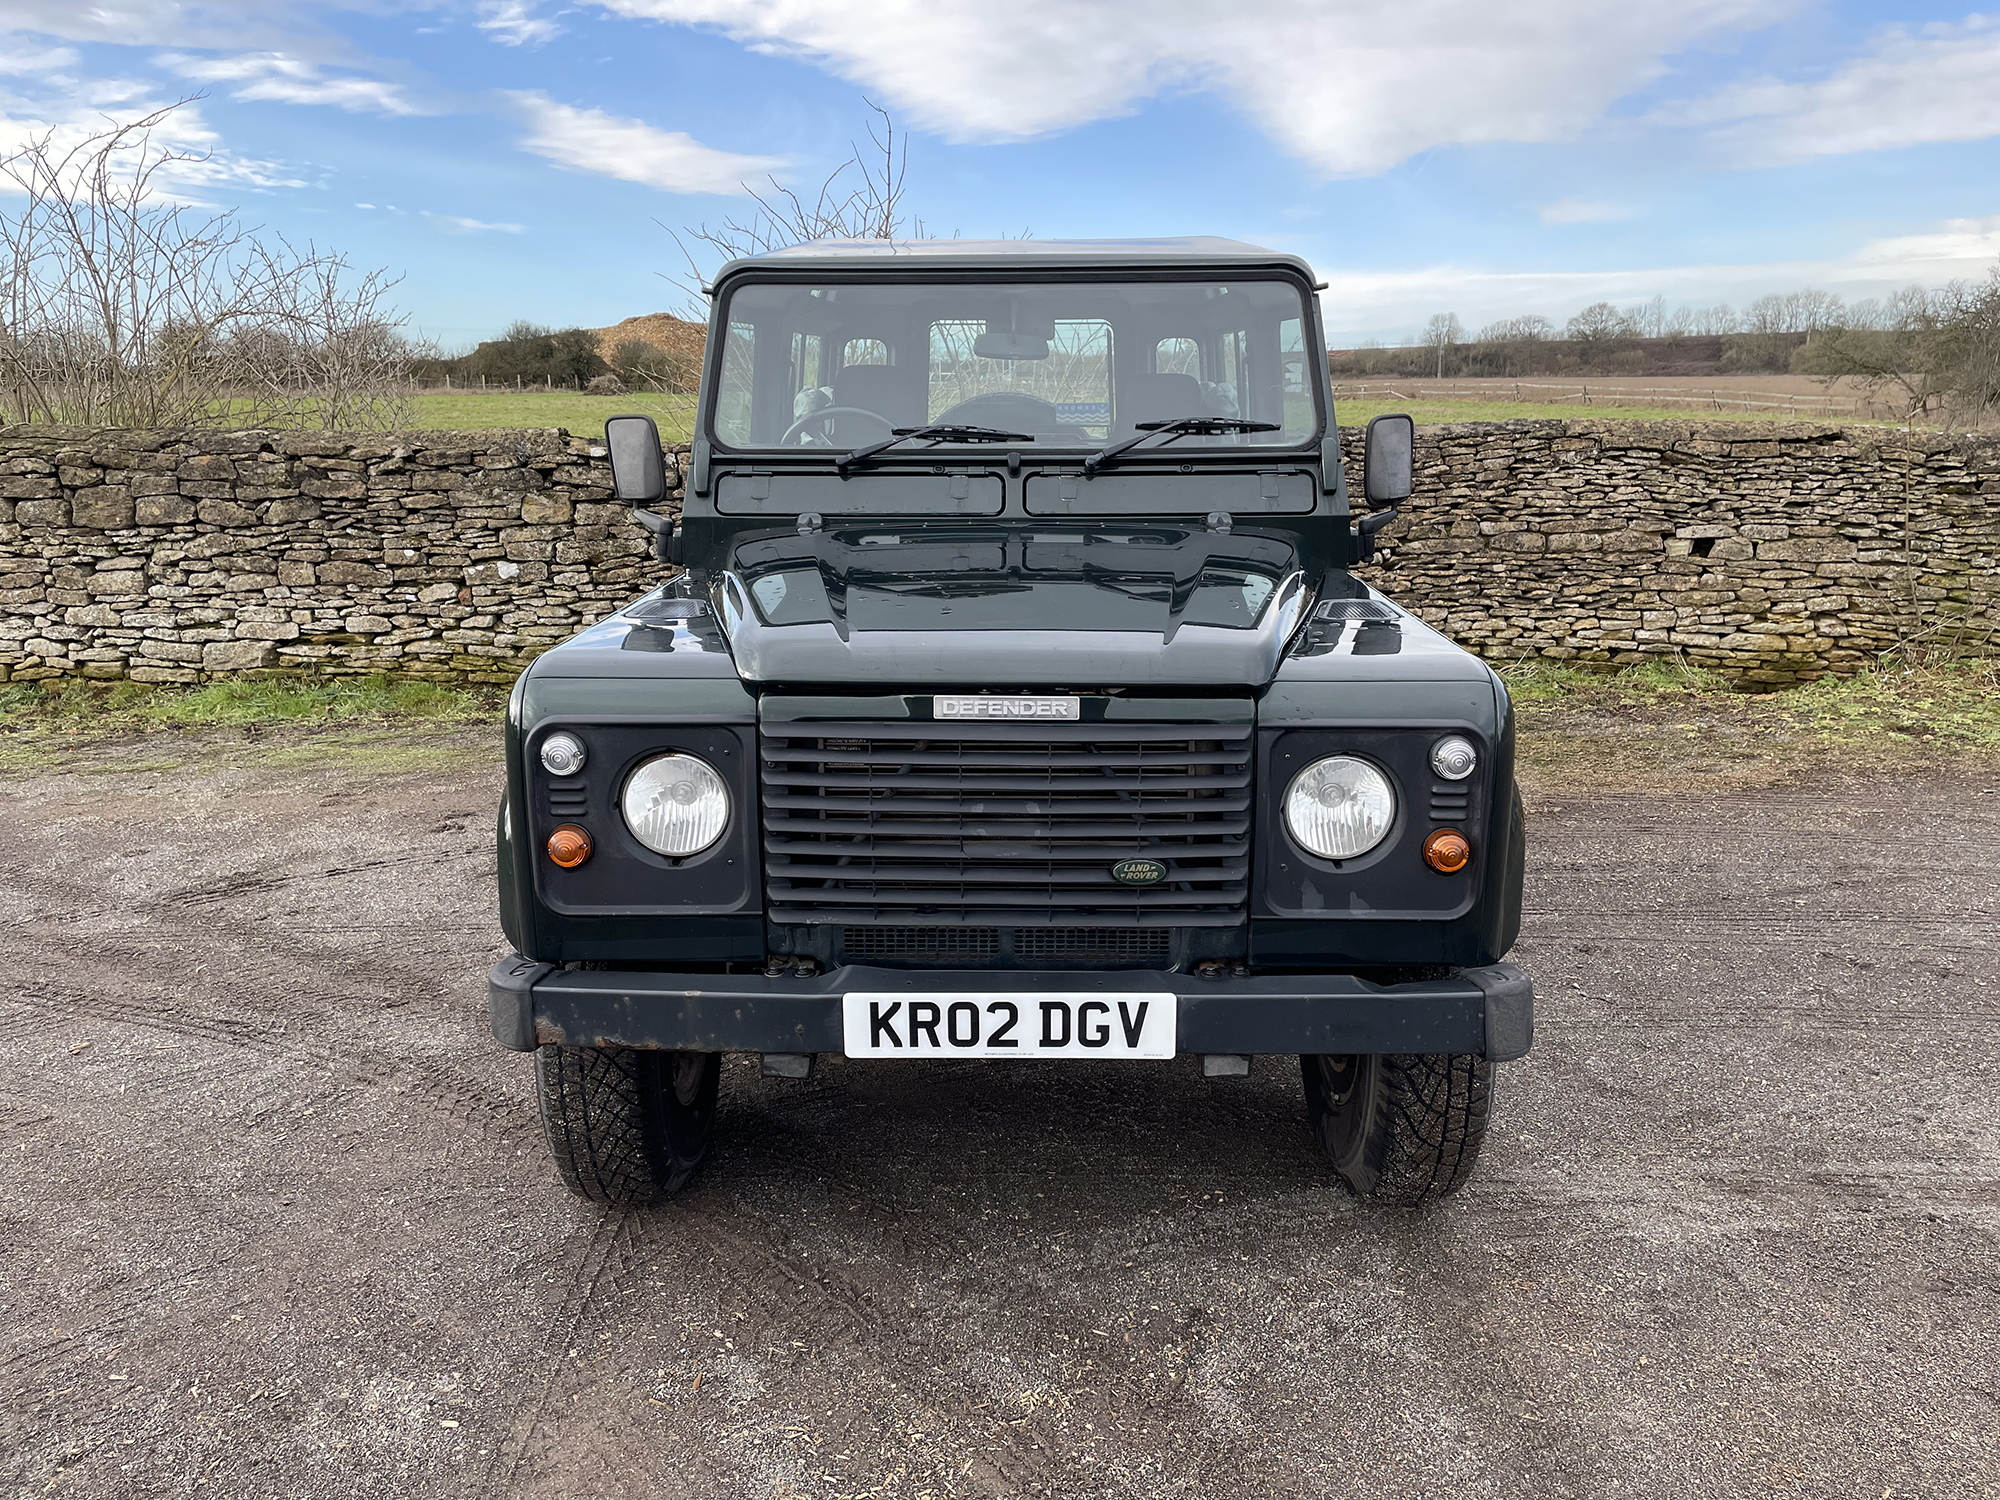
<point>276,1218</point>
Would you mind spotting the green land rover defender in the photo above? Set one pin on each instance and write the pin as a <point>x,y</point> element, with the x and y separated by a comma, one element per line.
<point>1013,699</point>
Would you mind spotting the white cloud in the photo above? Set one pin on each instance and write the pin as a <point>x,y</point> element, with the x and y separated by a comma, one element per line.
<point>1582,211</point>
<point>21,56</point>
<point>291,80</point>
<point>1911,87</point>
<point>68,113</point>
<point>513,23</point>
<point>1350,86</point>
<point>454,224</point>
<point>589,140</point>
<point>1364,303</point>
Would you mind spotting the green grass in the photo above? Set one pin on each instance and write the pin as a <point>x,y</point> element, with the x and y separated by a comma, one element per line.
<point>82,711</point>
<point>1354,413</point>
<point>1663,726</point>
<point>469,411</point>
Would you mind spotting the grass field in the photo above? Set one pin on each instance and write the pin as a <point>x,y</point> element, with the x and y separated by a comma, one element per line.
<point>452,411</point>
<point>1433,413</point>
<point>583,415</point>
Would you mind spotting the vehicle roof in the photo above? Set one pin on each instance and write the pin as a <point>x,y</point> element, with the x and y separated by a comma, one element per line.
<point>958,255</point>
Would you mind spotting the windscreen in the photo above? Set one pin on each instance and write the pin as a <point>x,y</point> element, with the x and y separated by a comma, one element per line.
<point>1055,365</point>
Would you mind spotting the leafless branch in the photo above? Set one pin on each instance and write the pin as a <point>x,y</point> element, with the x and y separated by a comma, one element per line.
<point>840,208</point>
<point>122,306</point>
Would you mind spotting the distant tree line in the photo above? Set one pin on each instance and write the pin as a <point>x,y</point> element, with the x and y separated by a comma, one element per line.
<point>1937,351</point>
<point>530,355</point>
<point>1771,335</point>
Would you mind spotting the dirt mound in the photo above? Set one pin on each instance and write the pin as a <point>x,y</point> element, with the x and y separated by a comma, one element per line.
<point>662,330</point>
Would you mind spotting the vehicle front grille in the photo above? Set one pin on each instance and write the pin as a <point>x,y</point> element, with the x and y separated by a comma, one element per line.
<point>942,946</point>
<point>927,944</point>
<point>917,824</point>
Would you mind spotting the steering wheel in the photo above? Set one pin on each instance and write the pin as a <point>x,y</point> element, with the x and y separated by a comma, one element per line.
<point>1013,410</point>
<point>798,428</point>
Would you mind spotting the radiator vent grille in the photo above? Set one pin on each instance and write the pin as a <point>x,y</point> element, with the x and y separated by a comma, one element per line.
<point>920,824</point>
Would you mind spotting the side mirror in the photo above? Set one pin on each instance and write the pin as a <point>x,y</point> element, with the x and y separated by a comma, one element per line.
<point>1390,458</point>
<point>638,469</point>
<point>639,478</point>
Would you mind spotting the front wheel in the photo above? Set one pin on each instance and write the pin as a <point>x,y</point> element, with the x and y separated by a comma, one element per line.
<point>626,1125</point>
<point>1399,1128</point>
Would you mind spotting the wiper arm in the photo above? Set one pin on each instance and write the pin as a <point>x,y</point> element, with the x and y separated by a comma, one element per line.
<point>1178,427</point>
<point>937,432</point>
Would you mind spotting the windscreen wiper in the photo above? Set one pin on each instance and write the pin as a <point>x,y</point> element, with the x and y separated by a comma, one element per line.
<point>937,432</point>
<point>1178,427</point>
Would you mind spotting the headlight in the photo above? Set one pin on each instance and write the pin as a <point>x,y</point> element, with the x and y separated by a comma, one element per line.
<point>675,805</point>
<point>562,755</point>
<point>1453,757</point>
<point>1340,807</point>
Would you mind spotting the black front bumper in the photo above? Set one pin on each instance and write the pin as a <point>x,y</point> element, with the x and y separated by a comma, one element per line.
<point>1487,1010</point>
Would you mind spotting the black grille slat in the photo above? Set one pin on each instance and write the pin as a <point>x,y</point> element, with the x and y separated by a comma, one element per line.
<point>915,822</point>
<point>1095,944</point>
<point>934,943</point>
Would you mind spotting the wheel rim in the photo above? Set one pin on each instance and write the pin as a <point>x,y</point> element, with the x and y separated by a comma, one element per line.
<point>687,1071</point>
<point>1347,1103</point>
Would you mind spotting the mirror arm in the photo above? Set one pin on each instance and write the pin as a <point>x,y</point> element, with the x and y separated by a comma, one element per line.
<point>666,534</point>
<point>1367,526</point>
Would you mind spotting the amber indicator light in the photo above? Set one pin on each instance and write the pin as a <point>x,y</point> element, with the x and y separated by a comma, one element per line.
<point>569,846</point>
<point>1447,852</point>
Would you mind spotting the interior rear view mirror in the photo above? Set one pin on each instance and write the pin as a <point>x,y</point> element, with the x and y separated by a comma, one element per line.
<point>999,343</point>
<point>638,469</point>
<point>1390,456</point>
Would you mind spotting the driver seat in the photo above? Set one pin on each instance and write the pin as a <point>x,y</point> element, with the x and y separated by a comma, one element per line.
<point>1159,398</point>
<point>882,389</point>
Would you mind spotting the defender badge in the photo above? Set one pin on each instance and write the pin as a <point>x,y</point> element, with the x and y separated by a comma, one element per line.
<point>1138,872</point>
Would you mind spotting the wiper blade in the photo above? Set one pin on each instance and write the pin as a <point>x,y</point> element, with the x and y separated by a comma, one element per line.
<point>1178,427</point>
<point>937,432</point>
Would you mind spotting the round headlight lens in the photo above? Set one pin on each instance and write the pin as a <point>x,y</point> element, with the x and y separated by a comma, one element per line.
<point>562,755</point>
<point>1453,757</point>
<point>1340,807</point>
<point>675,805</point>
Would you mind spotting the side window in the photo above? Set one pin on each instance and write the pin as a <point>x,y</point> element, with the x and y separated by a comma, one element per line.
<point>1297,388</point>
<point>1177,357</point>
<point>732,395</point>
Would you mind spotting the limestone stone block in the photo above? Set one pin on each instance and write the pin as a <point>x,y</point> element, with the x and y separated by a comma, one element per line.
<point>162,510</point>
<point>236,656</point>
<point>218,512</point>
<point>42,513</point>
<point>106,507</point>
<point>352,572</point>
<point>210,466</point>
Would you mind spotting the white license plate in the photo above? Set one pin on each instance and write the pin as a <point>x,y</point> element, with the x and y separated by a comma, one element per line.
<point>1014,1024</point>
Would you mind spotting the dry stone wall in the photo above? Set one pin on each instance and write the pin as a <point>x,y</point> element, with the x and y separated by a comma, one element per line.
<point>185,557</point>
<point>1769,554</point>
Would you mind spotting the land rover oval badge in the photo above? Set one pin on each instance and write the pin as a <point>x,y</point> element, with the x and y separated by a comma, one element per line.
<point>1138,872</point>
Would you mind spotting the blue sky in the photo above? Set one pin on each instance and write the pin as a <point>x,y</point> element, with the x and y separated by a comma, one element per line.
<point>517,158</point>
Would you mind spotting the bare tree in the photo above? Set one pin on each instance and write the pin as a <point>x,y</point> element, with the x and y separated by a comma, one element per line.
<point>121,305</point>
<point>1936,353</point>
<point>861,199</point>
<point>1442,334</point>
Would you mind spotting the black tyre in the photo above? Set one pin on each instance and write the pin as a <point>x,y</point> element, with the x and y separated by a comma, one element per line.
<point>1401,1129</point>
<point>626,1125</point>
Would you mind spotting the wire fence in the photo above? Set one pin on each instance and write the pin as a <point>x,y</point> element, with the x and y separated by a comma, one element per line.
<point>1694,398</point>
